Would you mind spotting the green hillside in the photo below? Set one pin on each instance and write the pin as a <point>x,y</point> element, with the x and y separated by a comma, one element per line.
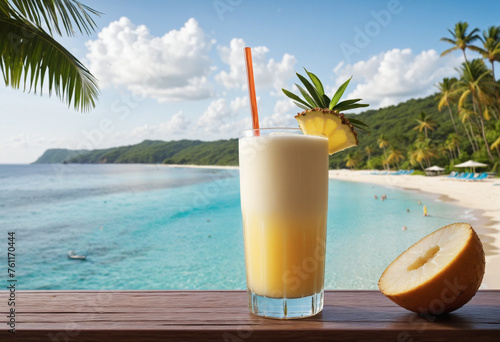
<point>222,152</point>
<point>397,124</point>
<point>57,155</point>
<point>148,151</point>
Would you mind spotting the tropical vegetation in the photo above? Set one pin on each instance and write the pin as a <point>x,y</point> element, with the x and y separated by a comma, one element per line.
<point>192,152</point>
<point>32,59</point>
<point>471,128</point>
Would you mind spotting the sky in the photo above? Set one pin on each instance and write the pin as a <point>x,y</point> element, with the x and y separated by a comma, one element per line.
<point>175,69</point>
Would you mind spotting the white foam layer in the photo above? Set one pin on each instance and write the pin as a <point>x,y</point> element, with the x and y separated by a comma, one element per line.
<point>284,173</point>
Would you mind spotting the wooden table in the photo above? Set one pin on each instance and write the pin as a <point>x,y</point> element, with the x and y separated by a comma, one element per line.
<point>224,316</point>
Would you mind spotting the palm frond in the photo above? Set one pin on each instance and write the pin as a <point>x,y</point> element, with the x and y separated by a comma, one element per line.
<point>463,98</point>
<point>442,102</point>
<point>53,13</point>
<point>447,51</point>
<point>34,61</point>
<point>448,40</point>
<point>495,144</point>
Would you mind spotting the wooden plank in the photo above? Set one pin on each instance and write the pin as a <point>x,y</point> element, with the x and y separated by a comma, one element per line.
<point>224,316</point>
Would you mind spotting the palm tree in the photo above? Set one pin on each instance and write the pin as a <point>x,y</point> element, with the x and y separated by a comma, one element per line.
<point>460,38</point>
<point>465,116</point>
<point>422,151</point>
<point>491,46</point>
<point>477,82</point>
<point>452,143</point>
<point>446,96</point>
<point>444,150</point>
<point>383,143</point>
<point>395,156</point>
<point>369,150</point>
<point>424,123</point>
<point>352,160</point>
<point>31,58</point>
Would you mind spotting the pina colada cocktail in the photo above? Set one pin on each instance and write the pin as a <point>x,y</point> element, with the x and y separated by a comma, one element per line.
<point>284,201</point>
<point>284,198</point>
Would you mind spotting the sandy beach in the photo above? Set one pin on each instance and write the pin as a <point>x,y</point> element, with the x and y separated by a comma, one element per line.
<point>483,196</point>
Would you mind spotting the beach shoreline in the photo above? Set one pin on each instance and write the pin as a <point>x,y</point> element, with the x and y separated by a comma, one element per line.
<point>479,199</point>
<point>221,167</point>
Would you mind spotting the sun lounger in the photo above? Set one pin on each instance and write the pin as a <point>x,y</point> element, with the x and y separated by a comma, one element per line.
<point>480,177</point>
<point>468,177</point>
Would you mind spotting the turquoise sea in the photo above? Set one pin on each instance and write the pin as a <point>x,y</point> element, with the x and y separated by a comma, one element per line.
<point>157,227</point>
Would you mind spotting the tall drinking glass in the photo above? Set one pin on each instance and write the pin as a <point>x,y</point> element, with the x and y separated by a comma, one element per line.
<point>284,200</point>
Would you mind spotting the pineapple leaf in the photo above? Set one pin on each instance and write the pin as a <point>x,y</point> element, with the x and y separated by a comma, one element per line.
<point>326,101</point>
<point>357,122</point>
<point>306,95</point>
<point>301,105</point>
<point>296,98</point>
<point>359,125</point>
<point>361,129</point>
<point>315,97</point>
<point>339,93</point>
<point>345,103</point>
<point>352,106</point>
<point>310,89</point>
<point>317,83</point>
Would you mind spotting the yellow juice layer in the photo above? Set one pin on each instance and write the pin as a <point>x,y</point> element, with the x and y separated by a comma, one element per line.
<point>284,257</point>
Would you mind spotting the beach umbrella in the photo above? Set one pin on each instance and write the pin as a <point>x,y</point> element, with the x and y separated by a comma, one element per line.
<point>472,164</point>
<point>434,168</point>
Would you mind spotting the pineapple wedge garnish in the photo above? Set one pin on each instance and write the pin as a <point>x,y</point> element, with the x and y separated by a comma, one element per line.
<point>322,115</point>
<point>333,125</point>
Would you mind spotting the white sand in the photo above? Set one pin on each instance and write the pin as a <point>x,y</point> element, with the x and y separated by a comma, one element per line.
<point>200,166</point>
<point>484,196</point>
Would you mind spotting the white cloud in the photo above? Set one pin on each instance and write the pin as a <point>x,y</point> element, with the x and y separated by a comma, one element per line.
<point>215,116</point>
<point>240,103</point>
<point>178,124</point>
<point>25,141</point>
<point>396,76</point>
<point>223,119</point>
<point>283,115</point>
<point>26,148</point>
<point>267,72</point>
<point>20,141</point>
<point>172,67</point>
